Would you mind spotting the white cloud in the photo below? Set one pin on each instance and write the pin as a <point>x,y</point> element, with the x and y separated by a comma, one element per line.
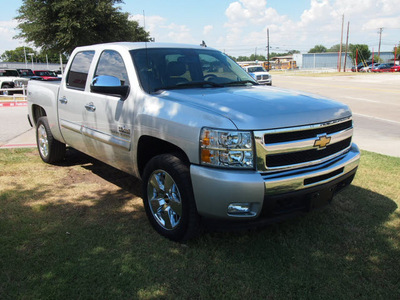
<point>247,21</point>
<point>7,33</point>
<point>382,22</point>
<point>207,29</point>
<point>163,31</point>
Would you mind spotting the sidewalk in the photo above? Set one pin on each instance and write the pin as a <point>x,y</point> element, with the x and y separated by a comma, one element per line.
<point>24,140</point>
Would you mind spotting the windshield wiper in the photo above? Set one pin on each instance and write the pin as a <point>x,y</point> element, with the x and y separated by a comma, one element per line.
<point>193,84</point>
<point>244,82</point>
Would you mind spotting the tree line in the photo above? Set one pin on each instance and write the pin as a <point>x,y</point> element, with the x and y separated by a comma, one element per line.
<point>361,51</point>
<point>59,26</point>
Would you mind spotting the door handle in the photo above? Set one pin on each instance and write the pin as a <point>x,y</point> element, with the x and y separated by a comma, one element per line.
<point>90,106</point>
<point>63,100</point>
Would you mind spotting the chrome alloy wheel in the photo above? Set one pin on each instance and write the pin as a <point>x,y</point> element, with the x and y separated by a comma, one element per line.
<point>43,141</point>
<point>164,199</point>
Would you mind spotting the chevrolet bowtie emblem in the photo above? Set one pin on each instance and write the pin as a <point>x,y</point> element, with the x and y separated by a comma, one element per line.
<point>322,141</point>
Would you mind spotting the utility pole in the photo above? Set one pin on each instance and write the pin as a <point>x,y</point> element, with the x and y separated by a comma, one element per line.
<point>347,47</point>
<point>268,49</point>
<point>380,39</point>
<point>341,42</point>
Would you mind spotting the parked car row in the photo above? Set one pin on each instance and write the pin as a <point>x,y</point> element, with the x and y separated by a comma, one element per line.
<point>17,79</point>
<point>376,67</point>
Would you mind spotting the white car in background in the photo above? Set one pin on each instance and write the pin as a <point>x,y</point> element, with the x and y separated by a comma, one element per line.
<point>259,74</point>
<point>368,68</point>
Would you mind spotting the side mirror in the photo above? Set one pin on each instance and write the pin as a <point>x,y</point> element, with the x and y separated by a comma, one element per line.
<point>109,85</point>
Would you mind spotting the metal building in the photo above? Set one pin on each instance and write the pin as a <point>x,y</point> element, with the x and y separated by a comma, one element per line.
<point>330,60</point>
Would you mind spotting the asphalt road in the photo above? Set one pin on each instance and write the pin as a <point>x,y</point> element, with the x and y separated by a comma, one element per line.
<point>373,98</point>
<point>13,124</point>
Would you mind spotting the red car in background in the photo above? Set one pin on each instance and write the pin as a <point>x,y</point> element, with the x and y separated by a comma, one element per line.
<point>383,68</point>
<point>46,75</point>
<point>395,68</point>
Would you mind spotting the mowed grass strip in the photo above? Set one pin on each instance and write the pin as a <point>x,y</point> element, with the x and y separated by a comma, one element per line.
<point>79,231</point>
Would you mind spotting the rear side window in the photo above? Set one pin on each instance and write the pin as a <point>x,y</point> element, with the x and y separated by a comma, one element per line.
<point>79,70</point>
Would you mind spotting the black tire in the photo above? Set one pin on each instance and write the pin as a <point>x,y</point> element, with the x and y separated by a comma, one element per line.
<point>6,86</point>
<point>50,150</point>
<point>168,198</point>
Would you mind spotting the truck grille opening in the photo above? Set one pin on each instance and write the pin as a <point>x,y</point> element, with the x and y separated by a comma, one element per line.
<point>292,148</point>
<point>293,158</point>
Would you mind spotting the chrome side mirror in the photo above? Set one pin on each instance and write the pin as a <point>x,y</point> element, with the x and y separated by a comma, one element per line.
<point>109,85</point>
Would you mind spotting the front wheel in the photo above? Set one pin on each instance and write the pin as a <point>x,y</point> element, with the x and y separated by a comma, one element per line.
<point>50,150</point>
<point>168,198</point>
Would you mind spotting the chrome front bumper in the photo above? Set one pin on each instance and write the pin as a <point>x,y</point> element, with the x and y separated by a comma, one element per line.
<point>216,190</point>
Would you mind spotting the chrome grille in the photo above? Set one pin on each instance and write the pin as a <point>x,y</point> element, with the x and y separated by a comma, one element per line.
<point>298,147</point>
<point>265,77</point>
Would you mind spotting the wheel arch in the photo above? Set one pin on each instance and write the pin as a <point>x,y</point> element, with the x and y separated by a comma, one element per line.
<point>149,147</point>
<point>37,112</point>
<point>9,83</point>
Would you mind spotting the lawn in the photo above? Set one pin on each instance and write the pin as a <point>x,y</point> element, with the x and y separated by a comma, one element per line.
<point>79,231</point>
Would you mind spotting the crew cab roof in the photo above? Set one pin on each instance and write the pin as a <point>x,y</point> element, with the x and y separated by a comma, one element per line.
<point>141,45</point>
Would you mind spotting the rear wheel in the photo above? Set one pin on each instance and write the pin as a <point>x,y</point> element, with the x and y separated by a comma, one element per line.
<point>168,198</point>
<point>6,86</point>
<point>50,150</point>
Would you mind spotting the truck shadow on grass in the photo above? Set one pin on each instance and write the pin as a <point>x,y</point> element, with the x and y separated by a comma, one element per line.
<point>88,237</point>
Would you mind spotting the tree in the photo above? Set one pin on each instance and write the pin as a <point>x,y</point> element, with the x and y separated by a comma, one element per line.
<point>377,59</point>
<point>254,57</point>
<point>318,49</point>
<point>62,25</point>
<point>22,53</point>
<point>17,55</point>
<point>336,48</point>
<point>363,52</point>
<point>50,56</point>
<point>243,58</point>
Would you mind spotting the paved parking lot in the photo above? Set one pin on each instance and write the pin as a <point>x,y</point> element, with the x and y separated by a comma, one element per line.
<point>373,98</point>
<point>14,127</point>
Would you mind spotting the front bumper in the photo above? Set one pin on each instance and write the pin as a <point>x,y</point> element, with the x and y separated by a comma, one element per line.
<point>269,194</point>
<point>265,82</point>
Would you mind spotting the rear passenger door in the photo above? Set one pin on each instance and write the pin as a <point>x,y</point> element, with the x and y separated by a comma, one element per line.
<point>72,98</point>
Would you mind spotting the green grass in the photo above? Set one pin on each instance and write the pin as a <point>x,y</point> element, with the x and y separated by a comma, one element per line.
<point>78,231</point>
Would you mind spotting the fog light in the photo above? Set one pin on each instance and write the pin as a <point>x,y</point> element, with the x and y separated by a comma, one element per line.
<point>239,208</point>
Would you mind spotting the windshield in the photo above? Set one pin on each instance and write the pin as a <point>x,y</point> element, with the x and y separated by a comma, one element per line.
<point>255,69</point>
<point>26,72</point>
<point>176,68</point>
<point>12,73</point>
<point>43,73</point>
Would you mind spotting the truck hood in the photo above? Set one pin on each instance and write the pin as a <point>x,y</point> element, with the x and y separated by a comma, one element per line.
<point>260,108</point>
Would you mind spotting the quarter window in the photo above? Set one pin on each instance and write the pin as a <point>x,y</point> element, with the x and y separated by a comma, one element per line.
<point>79,70</point>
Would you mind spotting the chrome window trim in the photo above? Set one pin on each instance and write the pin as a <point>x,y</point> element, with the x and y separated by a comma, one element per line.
<point>260,134</point>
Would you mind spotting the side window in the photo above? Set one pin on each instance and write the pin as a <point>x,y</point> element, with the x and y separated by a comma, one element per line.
<point>79,70</point>
<point>112,64</point>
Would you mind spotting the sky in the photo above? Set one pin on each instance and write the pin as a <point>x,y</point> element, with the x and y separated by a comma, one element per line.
<point>239,28</point>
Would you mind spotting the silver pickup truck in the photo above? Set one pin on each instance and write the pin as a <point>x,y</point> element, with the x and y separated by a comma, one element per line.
<point>206,139</point>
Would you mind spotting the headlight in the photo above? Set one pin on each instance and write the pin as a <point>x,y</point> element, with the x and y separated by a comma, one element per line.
<point>225,148</point>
